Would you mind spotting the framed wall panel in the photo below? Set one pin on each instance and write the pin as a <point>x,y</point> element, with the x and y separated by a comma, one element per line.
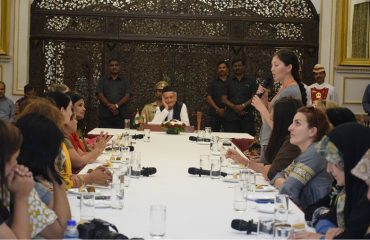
<point>4,25</point>
<point>351,96</point>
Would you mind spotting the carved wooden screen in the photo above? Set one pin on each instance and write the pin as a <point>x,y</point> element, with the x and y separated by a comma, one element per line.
<point>177,40</point>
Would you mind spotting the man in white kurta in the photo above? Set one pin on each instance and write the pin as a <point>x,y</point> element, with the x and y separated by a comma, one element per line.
<point>171,109</point>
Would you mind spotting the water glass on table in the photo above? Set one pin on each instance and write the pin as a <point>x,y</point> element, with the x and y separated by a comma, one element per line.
<point>207,132</point>
<point>215,167</point>
<point>265,226</point>
<point>240,203</point>
<point>146,135</point>
<point>87,206</point>
<point>135,164</point>
<point>281,208</point>
<point>204,162</point>
<point>127,124</point>
<point>157,220</point>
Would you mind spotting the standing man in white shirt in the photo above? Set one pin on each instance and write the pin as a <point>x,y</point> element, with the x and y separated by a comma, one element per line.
<point>171,109</point>
<point>320,90</point>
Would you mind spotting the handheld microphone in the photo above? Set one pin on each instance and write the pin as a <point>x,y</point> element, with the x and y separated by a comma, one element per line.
<point>197,171</point>
<point>241,225</point>
<point>147,171</point>
<point>267,82</point>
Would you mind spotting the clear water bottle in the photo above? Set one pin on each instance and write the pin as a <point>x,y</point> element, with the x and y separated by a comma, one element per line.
<point>71,231</point>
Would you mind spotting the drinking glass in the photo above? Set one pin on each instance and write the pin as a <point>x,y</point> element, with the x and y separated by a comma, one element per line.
<point>208,132</point>
<point>125,155</point>
<point>265,226</point>
<point>282,231</point>
<point>281,208</point>
<point>127,124</point>
<point>146,135</point>
<point>87,206</point>
<point>125,175</point>
<point>215,167</point>
<point>204,162</point>
<point>117,190</point>
<point>157,219</point>
<point>240,204</point>
<point>251,182</point>
<point>135,164</point>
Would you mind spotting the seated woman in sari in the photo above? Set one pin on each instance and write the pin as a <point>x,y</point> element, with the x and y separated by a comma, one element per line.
<point>100,175</point>
<point>80,158</point>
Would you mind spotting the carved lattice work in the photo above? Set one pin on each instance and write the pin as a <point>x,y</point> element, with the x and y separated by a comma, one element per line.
<point>176,40</point>
<point>262,8</point>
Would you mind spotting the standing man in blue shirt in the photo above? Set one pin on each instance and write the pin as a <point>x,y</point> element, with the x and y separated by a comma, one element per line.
<point>6,104</point>
<point>113,92</point>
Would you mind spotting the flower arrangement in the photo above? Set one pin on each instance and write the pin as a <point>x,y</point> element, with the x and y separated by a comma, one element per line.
<point>173,126</point>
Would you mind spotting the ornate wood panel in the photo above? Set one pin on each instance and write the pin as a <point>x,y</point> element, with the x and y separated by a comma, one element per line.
<point>177,40</point>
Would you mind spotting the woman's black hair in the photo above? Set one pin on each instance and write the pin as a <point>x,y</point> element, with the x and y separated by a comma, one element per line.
<point>74,96</point>
<point>10,142</point>
<point>41,145</point>
<point>290,58</point>
<point>340,115</point>
<point>60,99</point>
<point>283,114</point>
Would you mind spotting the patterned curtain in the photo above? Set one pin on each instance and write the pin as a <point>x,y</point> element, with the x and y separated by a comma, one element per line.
<point>360,30</point>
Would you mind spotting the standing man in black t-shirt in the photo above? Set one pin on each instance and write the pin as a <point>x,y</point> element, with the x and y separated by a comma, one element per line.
<point>238,96</point>
<point>113,92</point>
<point>214,97</point>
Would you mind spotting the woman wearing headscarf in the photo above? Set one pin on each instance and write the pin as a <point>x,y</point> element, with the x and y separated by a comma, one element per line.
<point>362,171</point>
<point>349,218</point>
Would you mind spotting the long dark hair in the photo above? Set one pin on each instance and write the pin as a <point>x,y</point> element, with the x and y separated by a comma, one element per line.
<point>283,114</point>
<point>10,142</point>
<point>290,58</point>
<point>42,141</point>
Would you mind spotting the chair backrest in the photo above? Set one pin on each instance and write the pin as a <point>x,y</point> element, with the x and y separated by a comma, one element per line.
<point>199,120</point>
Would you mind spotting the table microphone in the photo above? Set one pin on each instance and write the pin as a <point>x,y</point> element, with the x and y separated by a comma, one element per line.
<point>241,225</point>
<point>147,171</point>
<point>137,136</point>
<point>197,171</point>
<point>267,82</point>
<point>199,139</point>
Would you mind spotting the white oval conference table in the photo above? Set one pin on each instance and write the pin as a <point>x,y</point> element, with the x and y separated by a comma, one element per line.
<point>197,207</point>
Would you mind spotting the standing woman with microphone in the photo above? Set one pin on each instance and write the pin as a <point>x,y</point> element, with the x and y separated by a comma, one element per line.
<point>285,70</point>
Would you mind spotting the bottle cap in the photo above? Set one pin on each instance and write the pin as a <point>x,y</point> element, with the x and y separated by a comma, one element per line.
<point>71,223</point>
